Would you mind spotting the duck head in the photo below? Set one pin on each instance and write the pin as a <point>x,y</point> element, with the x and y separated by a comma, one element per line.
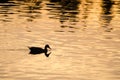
<point>47,47</point>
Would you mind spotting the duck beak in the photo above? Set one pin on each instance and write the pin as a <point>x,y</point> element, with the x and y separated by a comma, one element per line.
<point>49,48</point>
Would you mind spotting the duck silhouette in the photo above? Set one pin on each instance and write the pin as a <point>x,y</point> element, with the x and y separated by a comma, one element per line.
<point>38,50</point>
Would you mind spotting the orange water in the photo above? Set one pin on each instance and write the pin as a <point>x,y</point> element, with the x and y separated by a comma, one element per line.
<point>84,37</point>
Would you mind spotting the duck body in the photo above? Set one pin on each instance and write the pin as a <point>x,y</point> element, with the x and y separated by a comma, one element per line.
<point>38,50</point>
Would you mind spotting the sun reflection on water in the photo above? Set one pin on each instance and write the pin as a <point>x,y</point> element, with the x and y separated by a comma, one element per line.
<point>83,35</point>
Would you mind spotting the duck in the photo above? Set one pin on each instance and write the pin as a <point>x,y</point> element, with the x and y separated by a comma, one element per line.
<point>38,50</point>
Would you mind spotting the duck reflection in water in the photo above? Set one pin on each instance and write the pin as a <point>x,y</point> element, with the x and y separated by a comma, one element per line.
<point>38,50</point>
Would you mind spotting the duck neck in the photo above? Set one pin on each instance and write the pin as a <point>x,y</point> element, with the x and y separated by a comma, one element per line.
<point>45,50</point>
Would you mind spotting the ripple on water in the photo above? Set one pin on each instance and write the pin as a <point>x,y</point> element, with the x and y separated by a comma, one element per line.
<point>84,40</point>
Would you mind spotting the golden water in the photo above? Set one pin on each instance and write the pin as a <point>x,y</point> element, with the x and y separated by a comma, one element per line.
<point>84,37</point>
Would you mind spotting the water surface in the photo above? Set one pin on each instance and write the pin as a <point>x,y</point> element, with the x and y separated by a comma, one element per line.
<point>84,36</point>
